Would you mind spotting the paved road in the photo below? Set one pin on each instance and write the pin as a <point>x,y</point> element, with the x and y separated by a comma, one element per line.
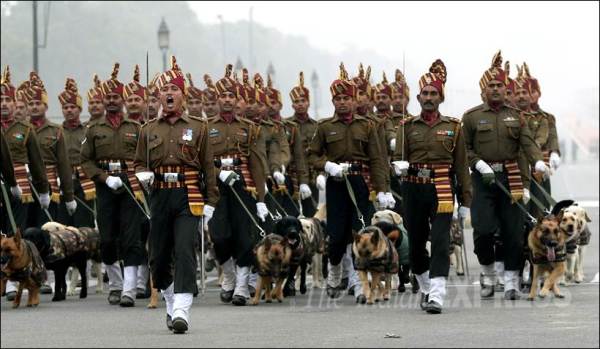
<point>312,320</point>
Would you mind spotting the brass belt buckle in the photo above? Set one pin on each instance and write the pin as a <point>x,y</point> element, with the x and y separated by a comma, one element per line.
<point>424,173</point>
<point>171,177</point>
<point>114,166</point>
<point>498,167</point>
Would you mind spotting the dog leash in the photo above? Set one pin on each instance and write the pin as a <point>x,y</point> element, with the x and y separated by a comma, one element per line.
<point>503,188</point>
<point>136,201</point>
<point>276,203</point>
<point>37,195</point>
<point>461,228</point>
<point>262,231</point>
<point>11,218</point>
<point>85,205</point>
<point>547,195</point>
<point>353,198</point>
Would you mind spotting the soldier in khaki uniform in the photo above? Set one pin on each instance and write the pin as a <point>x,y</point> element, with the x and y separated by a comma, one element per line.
<point>543,126</point>
<point>345,146</point>
<point>210,98</point>
<point>21,113</point>
<point>175,158</point>
<point>107,156</point>
<point>239,156</point>
<point>305,128</point>
<point>95,102</point>
<point>494,135</point>
<point>430,154</point>
<point>26,157</point>
<point>153,100</point>
<point>8,173</point>
<point>74,134</point>
<point>194,99</point>
<point>54,154</point>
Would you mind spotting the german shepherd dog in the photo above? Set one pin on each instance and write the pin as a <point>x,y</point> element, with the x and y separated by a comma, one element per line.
<point>273,255</point>
<point>62,246</point>
<point>548,254</point>
<point>375,254</point>
<point>20,261</point>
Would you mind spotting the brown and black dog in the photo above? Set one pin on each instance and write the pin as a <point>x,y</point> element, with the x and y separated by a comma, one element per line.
<point>547,243</point>
<point>375,254</point>
<point>273,255</point>
<point>21,262</point>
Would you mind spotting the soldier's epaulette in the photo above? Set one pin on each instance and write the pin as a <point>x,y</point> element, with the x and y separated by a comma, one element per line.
<point>324,120</point>
<point>456,120</point>
<point>479,107</point>
<point>149,122</point>
<point>517,109</point>
<point>196,118</point>
<point>213,119</point>
<point>246,121</point>
<point>267,122</point>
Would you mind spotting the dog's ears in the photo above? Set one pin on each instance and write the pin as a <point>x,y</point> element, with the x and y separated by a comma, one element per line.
<point>587,218</point>
<point>375,238</point>
<point>560,215</point>
<point>18,237</point>
<point>267,244</point>
<point>356,236</point>
<point>396,218</point>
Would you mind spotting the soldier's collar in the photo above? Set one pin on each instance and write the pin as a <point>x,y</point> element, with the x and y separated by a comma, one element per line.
<point>441,118</point>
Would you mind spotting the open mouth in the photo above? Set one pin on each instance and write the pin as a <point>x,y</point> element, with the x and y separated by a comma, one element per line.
<point>550,254</point>
<point>170,101</point>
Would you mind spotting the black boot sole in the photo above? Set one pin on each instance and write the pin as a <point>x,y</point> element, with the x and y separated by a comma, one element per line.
<point>180,326</point>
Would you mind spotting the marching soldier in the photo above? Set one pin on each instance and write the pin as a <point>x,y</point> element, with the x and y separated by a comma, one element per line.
<point>239,156</point>
<point>494,136</point>
<point>430,153</point>
<point>54,154</point>
<point>21,113</point>
<point>511,88</point>
<point>401,97</point>
<point>107,155</point>
<point>26,155</point>
<point>345,146</point>
<point>175,158</point>
<point>74,134</point>
<point>305,128</point>
<point>194,99</point>
<point>135,96</point>
<point>95,103</point>
<point>543,128</point>
<point>210,98</point>
<point>8,173</point>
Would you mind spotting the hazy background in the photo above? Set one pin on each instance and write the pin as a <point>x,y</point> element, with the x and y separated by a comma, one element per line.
<point>558,40</point>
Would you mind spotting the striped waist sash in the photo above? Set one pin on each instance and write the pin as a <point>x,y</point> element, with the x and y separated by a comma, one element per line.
<point>438,175</point>
<point>170,177</point>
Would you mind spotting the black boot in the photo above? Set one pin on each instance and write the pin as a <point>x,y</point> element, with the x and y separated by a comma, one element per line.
<point>401,288</point>
<point>414,284</point>
<point>433,307</point>
<point>487,291</point>
<point>512,295</point>
<point>127,302</point>
<point>333,292</point>
<point>226,296</point>
<point>114,297</point>
<point>180,326</point>
<point>289,289</point>
<point>424,301</point>
<point>169,322</point>
<point>238,300</point>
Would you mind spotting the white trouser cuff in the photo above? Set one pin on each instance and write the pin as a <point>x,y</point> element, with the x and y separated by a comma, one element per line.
<point>169,295</point>
<point>182,304</point>
<point>11,286</point>
<point>489,274</point>
<point>511,280</point>
<point>115,278</point>
<point>228,283</point>
<point>334,276</point>
<point>241,282</point>
<point>347,266</point>
<point>499,267</point>
<point>130,281</point>
<point>252,279</point>
<point>424,282</point>
<point>142,276</point>
<point>437,290</point>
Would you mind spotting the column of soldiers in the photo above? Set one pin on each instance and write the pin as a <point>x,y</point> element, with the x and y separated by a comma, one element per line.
<point>183,160</point>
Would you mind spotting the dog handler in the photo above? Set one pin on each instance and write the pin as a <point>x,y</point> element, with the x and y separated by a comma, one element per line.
<point>180,165</point>
<point>430,153</point>
<point>494,135</point>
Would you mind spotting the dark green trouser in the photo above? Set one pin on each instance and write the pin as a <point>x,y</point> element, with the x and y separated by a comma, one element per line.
<point>492,210</point>
<point>422,220</point>
<point>173,239</point>
<point>535,191</point>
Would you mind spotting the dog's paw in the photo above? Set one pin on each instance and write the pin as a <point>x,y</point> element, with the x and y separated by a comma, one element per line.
<point>559,296</point>
<point>70,293</point>
<point>543,294</point>
<point>151,306</point>
<point>531,298</point>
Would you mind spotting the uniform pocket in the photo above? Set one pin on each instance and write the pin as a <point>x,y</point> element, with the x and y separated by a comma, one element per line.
<point>514,128</point>
<point>334,137</point>
<point>485,133</point>
<point>155,148</point>
<point>103,145</point>
<point>186,150</point>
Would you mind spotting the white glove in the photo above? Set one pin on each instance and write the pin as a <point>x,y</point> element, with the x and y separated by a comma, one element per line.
<point>321,182</point>
<point>335,170</point>
<point>279,177</point>
<point>208,213</point>
<point>16,191</point>
<point>526,196</point>
<point>113,182</point>
<point>382,199</point>
<point>146,178</point>
<point>45,200</point>
<point>283,169</point>
<point>228,177</point>
<point>464,212</point>
<point>390,200</point>
<point>393,144</point>
<point>261,211</point>
<point>540,167</point>
<point>400,167</point>
<point>71,207</point>
<point>305,191</point>
<point>483,167</point>
<point>554,160</point>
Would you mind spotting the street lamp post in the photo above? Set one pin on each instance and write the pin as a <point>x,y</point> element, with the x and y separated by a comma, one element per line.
<point>314,79</point>
<point>163,41</point>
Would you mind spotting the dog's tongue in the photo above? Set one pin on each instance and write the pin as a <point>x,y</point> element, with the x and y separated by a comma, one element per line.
<point>550,254</point>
